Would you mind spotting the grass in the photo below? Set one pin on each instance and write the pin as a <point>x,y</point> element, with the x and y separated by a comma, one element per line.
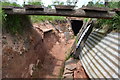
<point>36,19</point>
<point>112,24</point>
<point>35,3</point>
<point>12,24</point>
<point>10,4</point>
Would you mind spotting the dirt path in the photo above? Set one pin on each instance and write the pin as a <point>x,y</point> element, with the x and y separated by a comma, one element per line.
<point>57,46</point>
<point>55,64</point>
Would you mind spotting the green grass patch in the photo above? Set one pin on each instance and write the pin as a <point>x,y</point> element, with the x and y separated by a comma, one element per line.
<point>112,24</point>
<point>14,24</point>
<point>10,4</point>
<point>36,19</point>
<point>35,3</point>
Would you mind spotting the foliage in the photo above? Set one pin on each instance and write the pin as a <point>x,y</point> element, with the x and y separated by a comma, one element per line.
<point>90,3</point>
<point>45,18</point>
<point>16,24</point>
<point>50,6</point>
<point>114,5</point>
<point>3,15</point>
<point>110,5</point>
<point>10,4</point>
<point>112,24</point>
<point>11,23</point>
<point>68,2</point>
<point>35,3</point>
<point>58,3</point>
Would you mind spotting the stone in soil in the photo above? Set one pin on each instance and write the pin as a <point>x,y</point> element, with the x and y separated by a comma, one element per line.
<point>70,61</point>
<point>68,75</point>
<point>67,71</point>
<point>71,67</point>
<point>80,72</point>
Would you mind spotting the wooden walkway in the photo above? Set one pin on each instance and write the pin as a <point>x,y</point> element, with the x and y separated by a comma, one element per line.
<point>86,12</point>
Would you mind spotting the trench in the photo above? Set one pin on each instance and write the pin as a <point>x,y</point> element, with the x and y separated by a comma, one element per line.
<point>39,52</point>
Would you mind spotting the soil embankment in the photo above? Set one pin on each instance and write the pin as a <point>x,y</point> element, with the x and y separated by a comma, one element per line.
<point>34,53</point>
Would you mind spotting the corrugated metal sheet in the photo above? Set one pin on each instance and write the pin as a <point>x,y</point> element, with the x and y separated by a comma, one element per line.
<point>101,54</point>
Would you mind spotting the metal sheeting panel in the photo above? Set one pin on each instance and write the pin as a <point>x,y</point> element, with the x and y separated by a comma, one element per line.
<point>101,54</point>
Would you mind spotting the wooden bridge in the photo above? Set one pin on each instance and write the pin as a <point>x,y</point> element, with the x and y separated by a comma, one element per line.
<point>86,12</point>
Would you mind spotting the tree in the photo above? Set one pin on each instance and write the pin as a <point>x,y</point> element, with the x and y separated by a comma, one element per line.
<point>58,3</point>
<point>90,3</point>
<point>35,2</point>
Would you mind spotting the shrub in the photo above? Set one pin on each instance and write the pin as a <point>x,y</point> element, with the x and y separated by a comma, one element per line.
<point>112,24</point>
<point>10,4</point>
<point>35,3</point>
<point>11,23</point>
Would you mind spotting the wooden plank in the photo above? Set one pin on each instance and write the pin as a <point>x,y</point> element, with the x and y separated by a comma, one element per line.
<point>34,7</point>
<point>7,7</point>
<point>64,7</point>
<point>90,8</point>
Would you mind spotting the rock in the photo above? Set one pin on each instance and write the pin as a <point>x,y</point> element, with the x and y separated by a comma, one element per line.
<point>67,71</point>
<point>68,75</point>
<point>70,64</point>
<point>31,66</point>
<point>37,62</point>
<point>70,61</point>
<point>71,67</point>
<point>4,37</point>
<point>20,52</point>
<point>57,43</point>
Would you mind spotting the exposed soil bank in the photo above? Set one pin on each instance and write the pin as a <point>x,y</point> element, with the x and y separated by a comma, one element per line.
<point>32,55</point>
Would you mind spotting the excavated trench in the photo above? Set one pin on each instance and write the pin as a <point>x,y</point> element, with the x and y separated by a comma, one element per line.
<point>39,53</point>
